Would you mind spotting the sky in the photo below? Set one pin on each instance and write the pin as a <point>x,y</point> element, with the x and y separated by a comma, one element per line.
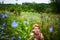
<point>22,1</point>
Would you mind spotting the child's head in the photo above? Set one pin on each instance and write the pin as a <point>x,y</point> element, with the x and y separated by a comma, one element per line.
<point>35,25</point>
<point>36,28</point>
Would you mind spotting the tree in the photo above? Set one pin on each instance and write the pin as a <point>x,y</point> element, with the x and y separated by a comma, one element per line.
<point>55,6</point>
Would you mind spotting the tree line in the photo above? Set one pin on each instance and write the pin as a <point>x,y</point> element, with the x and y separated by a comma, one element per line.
<point>54,7</point>
<point>33,7</point>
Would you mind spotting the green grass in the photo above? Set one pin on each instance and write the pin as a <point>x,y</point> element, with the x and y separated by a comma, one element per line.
<point>44,20</point>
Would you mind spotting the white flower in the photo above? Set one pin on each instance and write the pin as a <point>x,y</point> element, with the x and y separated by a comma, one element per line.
<point>32,34</point>
<point>14,24</point>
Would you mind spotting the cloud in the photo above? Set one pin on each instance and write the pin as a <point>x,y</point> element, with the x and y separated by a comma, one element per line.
<point>22,1</point>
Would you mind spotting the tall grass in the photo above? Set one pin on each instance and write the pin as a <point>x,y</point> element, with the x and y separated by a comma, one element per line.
<point>25,21</point>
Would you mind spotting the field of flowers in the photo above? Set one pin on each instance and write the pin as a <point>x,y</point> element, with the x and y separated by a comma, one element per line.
<point>18,27</point>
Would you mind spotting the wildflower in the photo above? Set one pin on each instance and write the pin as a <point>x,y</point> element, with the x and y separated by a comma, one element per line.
<point>19,38</point>
<point>4,24</point>
<point>13,38</point>
<point>4,15</point>
<point>51,29</point>
<point>26,22</point>
<point>14,24</point>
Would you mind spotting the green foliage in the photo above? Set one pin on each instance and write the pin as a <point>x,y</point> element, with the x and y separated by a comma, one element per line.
<point>55,6</point>
<point>23,30</point>
<point>36,7</point>
<point>30,7</point>
<point>26,15</point>
<point>11,8</point>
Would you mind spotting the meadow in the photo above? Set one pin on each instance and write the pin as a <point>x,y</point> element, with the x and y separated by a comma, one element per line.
<point>19,26</point>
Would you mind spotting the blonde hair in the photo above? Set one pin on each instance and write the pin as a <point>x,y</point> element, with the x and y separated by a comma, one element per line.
<point>35,25</point>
